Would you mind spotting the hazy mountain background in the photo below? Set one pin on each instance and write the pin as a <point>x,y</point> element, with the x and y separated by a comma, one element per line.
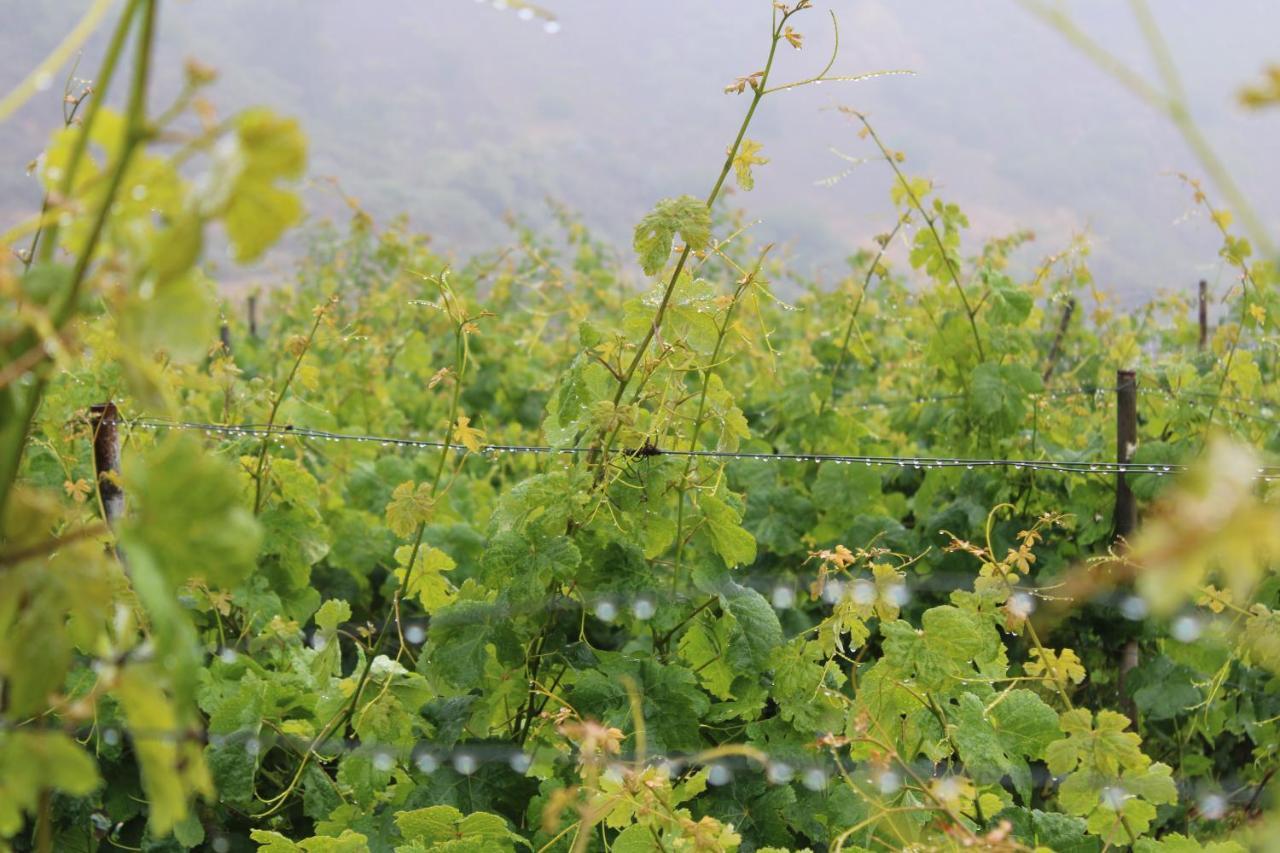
<point>457,113</point>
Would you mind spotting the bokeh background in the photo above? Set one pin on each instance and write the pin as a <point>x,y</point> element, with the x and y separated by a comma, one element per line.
<point>461,113</point>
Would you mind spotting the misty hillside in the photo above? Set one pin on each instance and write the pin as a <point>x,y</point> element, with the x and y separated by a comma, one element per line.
<point>457,113</point>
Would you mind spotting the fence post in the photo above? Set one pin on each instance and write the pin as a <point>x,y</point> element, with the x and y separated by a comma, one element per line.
<point>106,459</point>
<point>1055,350</point>
<point>253,315</point>
<point>224,335</point>
<point>1204,313</point>
<point>1126,516</point>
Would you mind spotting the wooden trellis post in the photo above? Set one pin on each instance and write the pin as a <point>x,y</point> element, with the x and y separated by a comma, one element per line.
<point>1204,313</point>
<point>253,315</point>
<point>1056,349</point>
<point>104,418</point>
<point>1126,515</point>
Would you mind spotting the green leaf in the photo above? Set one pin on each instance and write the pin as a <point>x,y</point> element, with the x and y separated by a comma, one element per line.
<point>733,543</point>
<point>332,614</point>
<point>427,582</point>
<point>459,636</point>
<point>748,155</point>
<point>188,512</point>
<point>173,768</point>
<point>273,842</point>
<point>758,629</point>
<point>633,839</point>
<point>258,211</point>
<point>1178,843</point>
<point>439,826</point>
<point>686,216</point>
<point>410,506</point>
<point>34,761</point>
<point>998,742</point>
<point>1050,830</point>
<point>1010,304</point>
<point>704,647</point>
<point>1001,392</point>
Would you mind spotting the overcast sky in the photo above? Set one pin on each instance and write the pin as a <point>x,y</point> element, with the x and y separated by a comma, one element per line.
<point>457,112</point>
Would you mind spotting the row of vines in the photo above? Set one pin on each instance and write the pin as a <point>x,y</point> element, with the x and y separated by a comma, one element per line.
<point>288,642</point>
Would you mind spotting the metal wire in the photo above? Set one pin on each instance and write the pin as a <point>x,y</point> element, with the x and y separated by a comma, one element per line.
<point>1074,467</point>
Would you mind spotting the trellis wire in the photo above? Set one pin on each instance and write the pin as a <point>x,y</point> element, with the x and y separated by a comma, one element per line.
<point>1265,472</point>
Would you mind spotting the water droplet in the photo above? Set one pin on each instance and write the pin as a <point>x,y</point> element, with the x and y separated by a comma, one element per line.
<point>1213,806</point>
<point>606,610</point>
<point>784,598</point>
<point>815,779</point>
<point>1113,797</point>
<point>718,775</point>
<point>778,773</point>
<point>833,591</point>
<point>384,761</point>
<point>888,782</point>
<point>1134,608</point>
<point>465,763</point>
<point>643,609</point>
<point>227,655</point>
<point>415,634</point>
<point>1186,629</point>
<point>1021,605</point>
<point>426,762</point>
<point>551,27</point>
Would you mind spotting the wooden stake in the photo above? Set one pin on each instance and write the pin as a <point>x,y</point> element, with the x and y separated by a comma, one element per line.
<point>1056,349</point>
<point>1126,515</point>
<point>106,460</point>
<point>253,315</point>
<point>1204,313</point>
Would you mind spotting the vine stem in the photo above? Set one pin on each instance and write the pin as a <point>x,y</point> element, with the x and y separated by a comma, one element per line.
<point>345,714</point>
<point>1247,282</point>
<point>970,311</point>
<point>744,283</point>
<point>758,93</point>
<point>853,315</point>
<point>258,492</point>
